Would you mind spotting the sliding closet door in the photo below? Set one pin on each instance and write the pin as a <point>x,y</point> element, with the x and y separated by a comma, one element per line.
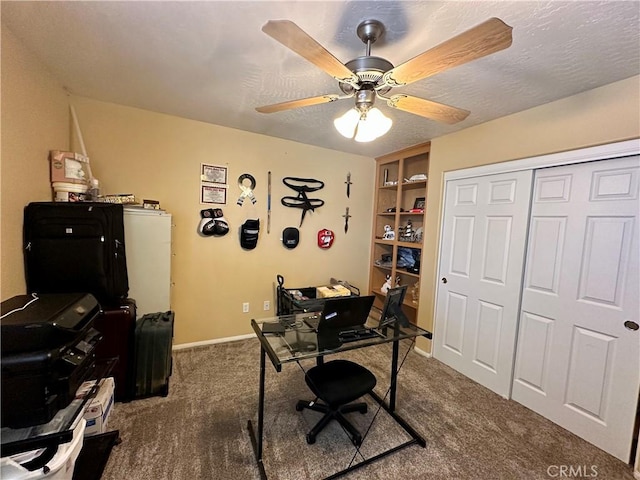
<point>481,263</point>
<point>578,353</point>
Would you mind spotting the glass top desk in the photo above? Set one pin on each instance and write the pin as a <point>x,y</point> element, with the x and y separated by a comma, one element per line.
<point>288,339</point>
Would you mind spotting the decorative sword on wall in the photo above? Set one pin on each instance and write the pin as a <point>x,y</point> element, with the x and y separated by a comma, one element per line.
<point>348,182</point>
<point>346,220</point>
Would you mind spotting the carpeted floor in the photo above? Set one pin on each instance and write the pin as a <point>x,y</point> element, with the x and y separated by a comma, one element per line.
<point>199,430</point>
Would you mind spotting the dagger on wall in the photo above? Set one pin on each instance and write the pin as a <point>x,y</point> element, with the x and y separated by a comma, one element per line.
<point>346,220</point>
<point>348,182</point>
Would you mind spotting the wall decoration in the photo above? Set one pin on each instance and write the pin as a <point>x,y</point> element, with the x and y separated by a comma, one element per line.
<point>213,184</point>
<point>325,238</point>
<point>212,223</point>
<point>213,173</point>
<point>213,194</point>
<point>249,232</point>
<point>346,220</point>
<point>302,186</point>
<point>290,237</point>
<point>246,184</point>
<point>349,183</point>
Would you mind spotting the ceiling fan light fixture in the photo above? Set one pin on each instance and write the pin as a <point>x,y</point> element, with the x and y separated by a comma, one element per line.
<point>346,124</point>
<point>363,126</point>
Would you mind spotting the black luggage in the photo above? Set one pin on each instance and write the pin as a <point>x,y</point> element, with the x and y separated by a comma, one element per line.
<point>154,334</point>
<point>76,247</point>
<point>117,324</point>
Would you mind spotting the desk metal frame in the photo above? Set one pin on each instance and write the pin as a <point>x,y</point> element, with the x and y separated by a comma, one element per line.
<point>392,335</point>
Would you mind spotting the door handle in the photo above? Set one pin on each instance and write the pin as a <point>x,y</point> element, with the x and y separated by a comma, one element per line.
<point>444,279</point>
<point>631,325</point>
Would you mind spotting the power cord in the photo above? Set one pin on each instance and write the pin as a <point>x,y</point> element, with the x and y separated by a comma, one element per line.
<point>34,299</point>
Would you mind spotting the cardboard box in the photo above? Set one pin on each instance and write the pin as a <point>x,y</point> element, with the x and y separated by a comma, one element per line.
<point>97,411</point>
<point>332,291</point>
<point>69,167</point>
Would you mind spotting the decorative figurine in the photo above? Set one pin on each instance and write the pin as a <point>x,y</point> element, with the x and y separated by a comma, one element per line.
<point>407,234</point>
<point>415,293</point>
<point>387,285</point>
<point>389,234</point>
<point>417,235</point>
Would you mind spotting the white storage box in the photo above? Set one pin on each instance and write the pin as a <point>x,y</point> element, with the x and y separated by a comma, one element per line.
<point>60,467</point>
<point>97,412</point>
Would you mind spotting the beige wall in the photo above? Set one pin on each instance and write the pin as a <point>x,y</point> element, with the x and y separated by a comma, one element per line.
<point>35,119</point>
<point>598,116</point>
<point>158,156</point>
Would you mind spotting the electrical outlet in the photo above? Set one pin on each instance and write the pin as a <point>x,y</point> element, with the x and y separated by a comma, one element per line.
<point>245,307</point>
<point>267,305</point>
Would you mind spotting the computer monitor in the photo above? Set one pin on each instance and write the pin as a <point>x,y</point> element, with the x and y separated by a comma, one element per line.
<point>392,309</point>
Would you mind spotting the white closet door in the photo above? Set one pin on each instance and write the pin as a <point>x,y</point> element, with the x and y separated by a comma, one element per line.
<point>481,264</point>
<point>577,363</point>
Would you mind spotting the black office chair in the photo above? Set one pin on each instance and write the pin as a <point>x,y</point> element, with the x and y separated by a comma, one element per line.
<point>337,383</point>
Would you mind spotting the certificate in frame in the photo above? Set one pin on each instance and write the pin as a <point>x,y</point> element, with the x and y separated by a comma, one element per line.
<point>213,194</point>
<point>213,173</point>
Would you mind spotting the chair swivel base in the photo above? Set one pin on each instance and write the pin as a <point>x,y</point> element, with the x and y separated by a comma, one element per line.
<point>333,414</point>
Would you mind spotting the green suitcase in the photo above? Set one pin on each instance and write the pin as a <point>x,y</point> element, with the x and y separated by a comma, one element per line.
<point>153,338</point>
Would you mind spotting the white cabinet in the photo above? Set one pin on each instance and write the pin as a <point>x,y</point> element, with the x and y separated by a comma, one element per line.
<point>147,237</point>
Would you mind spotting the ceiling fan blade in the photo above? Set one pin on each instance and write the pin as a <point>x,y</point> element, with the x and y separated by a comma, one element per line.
<point>304,102</point>
<point>427,108</point>
<point>484,39</point>
<point>293,37</point>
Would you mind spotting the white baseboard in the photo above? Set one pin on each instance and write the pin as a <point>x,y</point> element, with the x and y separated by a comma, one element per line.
<point>203,343</point>
<point>422,352</point>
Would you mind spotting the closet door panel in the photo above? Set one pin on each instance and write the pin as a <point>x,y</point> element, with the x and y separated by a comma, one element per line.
<point>481,263</point>
<point>582,278</point>
<point>532,360</point>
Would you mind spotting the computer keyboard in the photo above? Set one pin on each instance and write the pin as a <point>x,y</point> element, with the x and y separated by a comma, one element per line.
<point>354,335</point>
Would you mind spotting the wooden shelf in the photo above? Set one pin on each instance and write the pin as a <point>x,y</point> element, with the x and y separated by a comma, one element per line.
<point>404,272</point>
<point>413,185</point>
<point>383,267</point>
<point>402,196</point>
<point>410,245</point>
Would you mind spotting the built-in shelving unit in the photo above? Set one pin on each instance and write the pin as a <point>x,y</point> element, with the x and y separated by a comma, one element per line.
<point>401,185</point>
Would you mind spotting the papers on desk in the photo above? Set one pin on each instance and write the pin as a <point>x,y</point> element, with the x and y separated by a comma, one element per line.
<point>272,327</point>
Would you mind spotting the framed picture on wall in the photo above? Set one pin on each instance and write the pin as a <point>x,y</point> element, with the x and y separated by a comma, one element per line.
<point>213,173</point>
<point>210,194</point>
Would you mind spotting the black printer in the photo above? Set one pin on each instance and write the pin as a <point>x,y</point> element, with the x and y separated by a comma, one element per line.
<point>47,352</point>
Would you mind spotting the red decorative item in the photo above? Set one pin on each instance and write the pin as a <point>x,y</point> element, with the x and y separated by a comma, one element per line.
<point>325,238</point>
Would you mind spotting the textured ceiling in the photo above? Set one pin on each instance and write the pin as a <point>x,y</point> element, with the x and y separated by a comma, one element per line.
<point>210,61</point>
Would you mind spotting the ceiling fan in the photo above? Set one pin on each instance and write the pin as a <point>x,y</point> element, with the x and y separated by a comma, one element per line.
<point>368,77</point>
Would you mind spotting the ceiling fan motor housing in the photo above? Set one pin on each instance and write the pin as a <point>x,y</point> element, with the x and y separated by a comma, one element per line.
<point>369,70</point>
